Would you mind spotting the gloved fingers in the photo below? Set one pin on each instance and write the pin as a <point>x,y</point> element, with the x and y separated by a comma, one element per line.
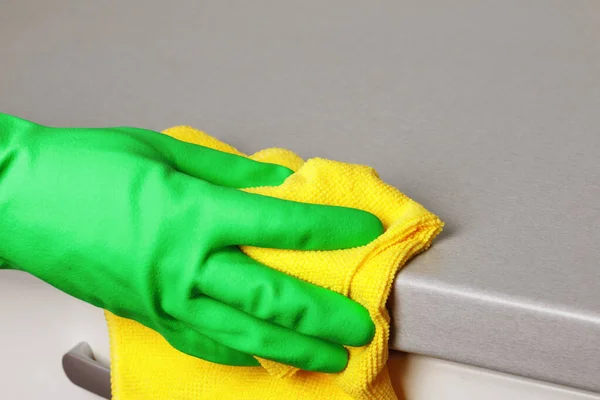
<point>238,330</point>
<point>191,342</point>
<point>250,219</point>
<point>216,167</point>
<point>241,282</point>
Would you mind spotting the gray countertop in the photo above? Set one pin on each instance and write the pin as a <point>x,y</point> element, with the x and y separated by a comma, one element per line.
<point>486,112</point>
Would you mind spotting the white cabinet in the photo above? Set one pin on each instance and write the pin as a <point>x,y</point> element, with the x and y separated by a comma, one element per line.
<point>423,378</point>
<point>40,323</point>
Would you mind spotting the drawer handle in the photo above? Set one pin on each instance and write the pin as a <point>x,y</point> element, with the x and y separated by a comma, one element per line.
<point>82,368</point>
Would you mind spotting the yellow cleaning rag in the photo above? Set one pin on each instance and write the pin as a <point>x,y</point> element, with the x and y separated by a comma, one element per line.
<point>144,366</point>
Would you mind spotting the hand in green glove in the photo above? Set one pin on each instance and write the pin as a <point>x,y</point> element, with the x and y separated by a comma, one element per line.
<point>147,227</point>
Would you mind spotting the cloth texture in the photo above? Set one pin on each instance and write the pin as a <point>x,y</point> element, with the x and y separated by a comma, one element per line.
<point>144,366</point>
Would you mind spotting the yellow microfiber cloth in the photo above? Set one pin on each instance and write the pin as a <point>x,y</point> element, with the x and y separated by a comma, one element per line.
<point>144,366</point>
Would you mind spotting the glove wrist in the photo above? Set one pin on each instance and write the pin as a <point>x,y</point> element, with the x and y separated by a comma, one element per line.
<point>11,141</point>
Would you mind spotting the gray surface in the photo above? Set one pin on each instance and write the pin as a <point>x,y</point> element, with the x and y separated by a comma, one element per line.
<point>487,112</point>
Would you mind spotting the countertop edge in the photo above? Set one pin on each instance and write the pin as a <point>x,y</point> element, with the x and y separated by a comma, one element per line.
<point>505,336</point>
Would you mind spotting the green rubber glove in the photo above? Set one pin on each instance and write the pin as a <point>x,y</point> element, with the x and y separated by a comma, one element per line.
<point>147,227</point>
